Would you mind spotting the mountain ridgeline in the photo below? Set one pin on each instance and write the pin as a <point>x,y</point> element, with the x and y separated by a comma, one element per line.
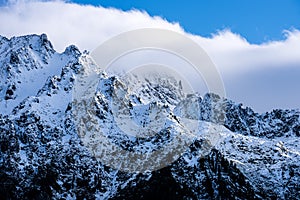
<point>43,156</point>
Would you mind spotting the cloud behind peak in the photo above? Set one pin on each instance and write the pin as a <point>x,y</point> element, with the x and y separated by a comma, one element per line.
<point>242,65</point>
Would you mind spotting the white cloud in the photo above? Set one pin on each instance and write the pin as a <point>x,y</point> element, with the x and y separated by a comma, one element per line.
<point>263,76</point>
<point>66,23</point>
<point>233,51</point>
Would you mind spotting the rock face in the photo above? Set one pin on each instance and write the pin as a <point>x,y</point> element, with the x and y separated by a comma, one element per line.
<point>244,155</point>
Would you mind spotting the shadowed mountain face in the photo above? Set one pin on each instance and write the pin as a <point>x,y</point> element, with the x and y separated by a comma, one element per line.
<point>43,155</point>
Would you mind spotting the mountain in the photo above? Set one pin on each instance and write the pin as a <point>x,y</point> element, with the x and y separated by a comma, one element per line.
<point>209,147</point>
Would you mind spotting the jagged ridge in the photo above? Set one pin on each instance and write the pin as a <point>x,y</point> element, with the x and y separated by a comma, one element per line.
<point>42,156</point>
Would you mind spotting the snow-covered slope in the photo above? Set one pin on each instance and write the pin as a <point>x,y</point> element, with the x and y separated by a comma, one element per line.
<point>25,65</point>
<point>49,149</point>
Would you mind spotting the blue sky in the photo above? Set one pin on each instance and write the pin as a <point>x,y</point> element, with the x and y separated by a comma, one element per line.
<point>257,20</point>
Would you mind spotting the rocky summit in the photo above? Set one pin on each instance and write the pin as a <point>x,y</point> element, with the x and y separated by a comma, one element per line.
<point>209,147</point>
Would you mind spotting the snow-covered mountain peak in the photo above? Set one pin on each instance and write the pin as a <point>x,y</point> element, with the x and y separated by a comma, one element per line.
<point>39,43</point>
<point>65,125</point>
<point>26,63</point>
<point>72,50</point>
